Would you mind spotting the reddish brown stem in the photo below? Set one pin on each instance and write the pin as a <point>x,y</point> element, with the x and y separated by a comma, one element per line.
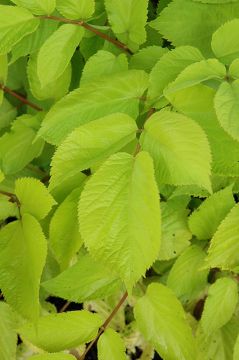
<point>20,98</point>
<point>12,197</point>
<point>91,28</point>
<point>104,326</point>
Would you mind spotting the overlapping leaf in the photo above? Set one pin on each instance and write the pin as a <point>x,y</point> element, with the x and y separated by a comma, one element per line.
<point>111,346</point>
<point>75,9</point>
<point>8,338</point>
<point>38,7</point>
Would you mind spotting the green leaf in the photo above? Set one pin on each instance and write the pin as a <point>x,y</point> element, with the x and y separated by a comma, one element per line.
<point>56,356</point>
<point>169,66</point>
<point>75,9</point>
<point>175,232</point>
<point>38,7</point>
<point>206,218</point>
<point>146,58</point>
<point>3,73</point>
<point>56,332</point>
<point>186,278</point>
<point>225,42</point>
<point>8,113</point>
<point>15,23</point>
<point>34,197</point>
<point>111,346</point>
<point>85,280</point>
<point>64,234</point>
<point>201,21</point>
<point>161,319</point>
<point>91,143</point>
<point>219,305</point>
<point>226,106</point>
<point>7,208</point>
<point>236,350</point>
<point>119,227</point>
<point>64,188</point>
<point>233,71</point>
<point>56,53</point>
<point>22,257</point>
<point>197,73</point>
<point>179,148</point>
<point>224,248</point>
<point>108,95</point>
<point>54,90</point>
<point>16,147</point>
<point>103,63</point>
<point>8,338</point>
<point>128,19</point>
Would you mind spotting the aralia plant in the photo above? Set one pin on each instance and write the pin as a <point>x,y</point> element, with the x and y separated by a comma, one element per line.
<point>119,179</point>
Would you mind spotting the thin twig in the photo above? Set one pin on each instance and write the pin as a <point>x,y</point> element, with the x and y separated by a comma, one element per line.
<point>104,326</point>
<point>65,306</point>
<point>92,29</point>
<point>20,97</point>
<point>12,197</point>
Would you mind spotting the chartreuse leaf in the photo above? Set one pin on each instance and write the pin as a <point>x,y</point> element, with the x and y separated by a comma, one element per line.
<point>236,350</point>
<point>161,319</point>
<point>38,7</point>
<point>16,147</point>
<point>107,95</point>
<point>169,66</point>
<point>111,346</point>
<point>200,19</point>
<point>64,188</point>
<point>54,90</point>
<point>34,198</point>
<point>219,305</point>
<point>75,9</point>
<point>15,23</point>
<point>91,143</point>
<point>225,42</point>
<point>146,58</point>
<point>103,63</point>
<point>226,106</point>
<point>56,53</point>
<point>7,209</point>
<point>119,227</point>
<point>85,280</point>
<point>175,232</point>
<point>7,114</point>
<point>179,148</point>
<point>22,257</point>
<point>205,219</point>
<point>128,19</point>
<point>56,356</point>
<point>197,73</point>
<point>224,247</point>
<point>3,73</point>
<point>56,332</point>
<point>233,71</point>
<point>187,268</point>
<point>8,338</point>
<point>64,235</point>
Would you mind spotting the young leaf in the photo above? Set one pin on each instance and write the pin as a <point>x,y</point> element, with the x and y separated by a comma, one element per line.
<point>89,144</point>
<point>75,9</point>
<point>179,148</point>
<point>233,71</point>
<point>197,73</point>
<point>15,23</point>
<point>224,247</point>
<point>108,95</point>
<point>103,63</point>
<point>34,197</point>
<point>64,235</point>
<point>56,356</point>
<point>56,53</point>
<point>205,219</point>
<point>22,257</point>
<point>8,113</point>
<point>186,278</point>
<point>8,338</point>
<point>226,106</point>
<point>70,329</point>
<point>38,7</point>
<point>161,319</point>
<point>219,305</point>
<point>111,346</point>
<point>128,19</point>
<point>7,208</point>
<point>168,68</point>
<point>225,42</point>
<point>120,228</point>
<point>85,280</point>
<point>64,188</point>
<point>146,58</point>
